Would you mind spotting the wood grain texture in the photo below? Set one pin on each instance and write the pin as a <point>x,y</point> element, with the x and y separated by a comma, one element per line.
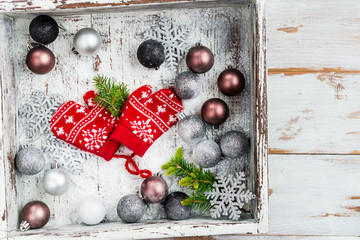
<point>314,73</point>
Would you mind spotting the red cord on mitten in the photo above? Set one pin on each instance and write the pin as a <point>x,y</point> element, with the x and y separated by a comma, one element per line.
<point>145,117</point>
<point>86,128</point>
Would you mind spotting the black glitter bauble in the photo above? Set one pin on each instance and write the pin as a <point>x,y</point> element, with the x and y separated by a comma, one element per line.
<point>44,29</point>
<point>174,209</point>
<point>151,54</point>
<point>234,144</point>
<point>131,208</point>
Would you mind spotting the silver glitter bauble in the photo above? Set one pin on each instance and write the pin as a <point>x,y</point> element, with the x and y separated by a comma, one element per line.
<point>131,208</point>
<point>30,161</point>
<point>87,41</point>
<point>56,181</point>
<point>234,144</point>
<point>187,85</point>
<point>191,129</point>
<point>207,153</point>
<point>92,211</point>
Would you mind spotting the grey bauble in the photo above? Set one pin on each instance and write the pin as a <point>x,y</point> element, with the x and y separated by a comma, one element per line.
<point>56,181</point>
<point>187,85</point>
<point>131,208</point>
<point>174,210</point>
<point>87,41</point>
<point>207,153</point>
<point>191,129</point>
<point>234,144</point>
<point>30,161</point>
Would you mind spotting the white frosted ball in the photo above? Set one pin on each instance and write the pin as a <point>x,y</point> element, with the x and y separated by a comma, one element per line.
<point>92,211</point>
<point>56,181</point>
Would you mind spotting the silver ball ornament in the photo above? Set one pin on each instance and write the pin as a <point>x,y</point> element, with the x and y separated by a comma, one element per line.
<point>187,85</point>
<point>191,129</point>
<point>92,211</point>
<point>207,153</point>
<point>87,41</point>
<point>234,144</point>
<point>56,181</point>
<point>30,161</point>
<point>131,208</point>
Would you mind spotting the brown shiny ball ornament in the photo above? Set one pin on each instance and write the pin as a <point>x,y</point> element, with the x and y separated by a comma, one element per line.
<point>40,60</point>
<point>231,82</point>
<point>215,111</point>
<point>35,214</point>
<point>154,189</point>
<point>200,59</point>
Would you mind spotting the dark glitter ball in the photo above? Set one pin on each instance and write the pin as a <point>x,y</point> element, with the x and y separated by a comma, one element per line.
<point>44,29</point>
<point>151,54</point>
<point>174,209</point>
<point>131,208</point>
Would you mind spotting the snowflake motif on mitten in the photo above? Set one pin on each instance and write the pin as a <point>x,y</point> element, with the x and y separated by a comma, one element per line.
<point>94,138</point>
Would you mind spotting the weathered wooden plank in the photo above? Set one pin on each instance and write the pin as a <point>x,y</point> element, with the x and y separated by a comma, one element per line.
<point>308,34</point>
<point>315,112</point>
<point>314,195</point>
<point>269,237</point>
<point>8,190</point>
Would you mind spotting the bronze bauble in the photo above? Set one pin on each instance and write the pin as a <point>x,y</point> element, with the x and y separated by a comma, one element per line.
<point>231,82</point>
<point>154,189</point>
<point>36,213</point>
<point>215,111</point>
<point>200,59</point>
<point>40,60</point>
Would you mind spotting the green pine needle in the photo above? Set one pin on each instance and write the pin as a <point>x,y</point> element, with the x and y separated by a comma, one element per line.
<point>198,202</point>
<point>195,178</point>
<point>111,96</point>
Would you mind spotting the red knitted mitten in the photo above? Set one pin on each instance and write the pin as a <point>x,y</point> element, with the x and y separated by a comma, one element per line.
<point>146,117</point>
<point>86,128</point>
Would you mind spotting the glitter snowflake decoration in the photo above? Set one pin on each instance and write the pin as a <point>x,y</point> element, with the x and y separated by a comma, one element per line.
<point>66,155</point>
<point>173,40</point>
<point>229,196</point>
<point>35,116</point>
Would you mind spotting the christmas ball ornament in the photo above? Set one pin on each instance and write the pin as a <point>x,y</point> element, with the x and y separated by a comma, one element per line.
<point>207,153</point>
<point>174,210</point>
<point>40,60</point>
<point>234,144</point>
<point>87,41</point>
<point>154,189</point>
<point>231,82</point>
<point>56,181</point>
<point>200,59</point>
<point>131,208</point>
<point>35,214</point>
<point>151,53</point>
<point>191,129</point>
<point>44,29</point>
<point>91,211</point>
<point>30,161</point>
<point>215,111</point>
<point>187,85</point>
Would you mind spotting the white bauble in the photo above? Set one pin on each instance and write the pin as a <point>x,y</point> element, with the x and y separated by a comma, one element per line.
<point>56,181</point>
<point>87,41</point>
<point>92,211</point>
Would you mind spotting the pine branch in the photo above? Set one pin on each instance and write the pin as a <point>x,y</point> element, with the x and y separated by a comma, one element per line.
<point>195,178</point>
<point>110,95</point>
<point>198,201</point>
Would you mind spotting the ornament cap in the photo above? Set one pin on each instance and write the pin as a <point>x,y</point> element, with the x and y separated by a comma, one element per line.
<point>24,226</point>
<point>181,115</point>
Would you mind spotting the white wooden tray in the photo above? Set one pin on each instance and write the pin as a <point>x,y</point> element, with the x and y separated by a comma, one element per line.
<point>234,30</point>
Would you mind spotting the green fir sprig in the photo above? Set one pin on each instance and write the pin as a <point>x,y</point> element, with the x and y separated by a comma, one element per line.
<point>195,178</point>
<point>198,201</point>
<point>111,95</point>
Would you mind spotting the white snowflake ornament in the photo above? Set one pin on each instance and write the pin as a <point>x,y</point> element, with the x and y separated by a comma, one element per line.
<point>173,39</point>
<point>35,116</point>
<point>64,154</point>
<point>229,196</point>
